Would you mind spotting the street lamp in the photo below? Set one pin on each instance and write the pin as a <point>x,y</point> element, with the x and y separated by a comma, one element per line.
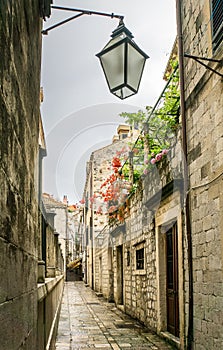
<point>122,62</point>
<point>121,59</point>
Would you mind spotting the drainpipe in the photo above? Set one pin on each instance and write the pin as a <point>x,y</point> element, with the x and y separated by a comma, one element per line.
<point>186,183</point>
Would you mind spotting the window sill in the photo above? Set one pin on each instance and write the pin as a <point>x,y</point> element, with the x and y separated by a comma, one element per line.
<point>139,272</point>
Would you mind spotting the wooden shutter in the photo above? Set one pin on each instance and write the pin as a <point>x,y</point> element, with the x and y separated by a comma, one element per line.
<point>217,22</point>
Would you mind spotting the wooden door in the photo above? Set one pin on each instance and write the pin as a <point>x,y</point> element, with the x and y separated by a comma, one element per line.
<point>172,281</point>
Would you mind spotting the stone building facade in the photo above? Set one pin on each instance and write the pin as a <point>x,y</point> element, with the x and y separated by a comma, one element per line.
<point>65,222</point>
<point>22,300</point>
<point>202,36</point>
<point>59,211</point>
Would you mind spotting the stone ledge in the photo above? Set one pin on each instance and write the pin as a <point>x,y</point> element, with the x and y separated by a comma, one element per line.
<point>45,288</point>
<point>164,192</point>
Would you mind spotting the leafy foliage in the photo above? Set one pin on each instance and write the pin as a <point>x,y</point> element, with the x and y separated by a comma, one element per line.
<point>158,125</point>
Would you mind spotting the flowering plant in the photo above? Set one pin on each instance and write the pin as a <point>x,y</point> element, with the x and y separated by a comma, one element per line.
<point>159,156</point>
<point>114,189</point>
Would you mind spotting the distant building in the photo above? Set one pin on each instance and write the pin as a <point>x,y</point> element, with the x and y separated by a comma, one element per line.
<point>65,223</point>
<point>94,217</point>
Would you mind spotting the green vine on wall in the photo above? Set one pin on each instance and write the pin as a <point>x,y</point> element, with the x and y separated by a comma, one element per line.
<point>159,125</point>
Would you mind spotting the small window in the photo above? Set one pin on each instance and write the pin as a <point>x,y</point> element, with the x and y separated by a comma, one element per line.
<point>124,136</point>
<point>217,22</point>
<point>140,259</point>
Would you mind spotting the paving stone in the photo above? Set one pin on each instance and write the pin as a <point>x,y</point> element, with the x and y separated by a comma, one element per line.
<point>125,345</point>
<point>115,346</point>
<point>93,323</point>
<point>104,346</point>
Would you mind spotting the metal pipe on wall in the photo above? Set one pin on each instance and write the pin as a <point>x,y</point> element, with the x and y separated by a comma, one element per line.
<point>186,183</point>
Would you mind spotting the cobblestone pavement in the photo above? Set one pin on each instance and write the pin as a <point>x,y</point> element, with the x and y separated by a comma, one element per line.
<point>89,322</point>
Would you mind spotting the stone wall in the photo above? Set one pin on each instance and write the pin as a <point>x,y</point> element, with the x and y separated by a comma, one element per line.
<point>204,105</point>
<point>20,47</point>
<point>59,213</point>
<point>101,168</point>
<point>49,301</point>
<point>104,279</point>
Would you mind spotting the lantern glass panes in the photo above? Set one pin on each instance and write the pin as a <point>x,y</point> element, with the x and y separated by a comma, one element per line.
<point>123,63</point>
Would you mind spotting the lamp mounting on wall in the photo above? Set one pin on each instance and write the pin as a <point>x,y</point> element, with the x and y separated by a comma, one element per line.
<point>200,59</point>
<point>81,13</point>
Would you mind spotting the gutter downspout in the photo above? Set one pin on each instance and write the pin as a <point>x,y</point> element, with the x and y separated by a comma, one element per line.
<point>186,182</point>
<point>92,228</point>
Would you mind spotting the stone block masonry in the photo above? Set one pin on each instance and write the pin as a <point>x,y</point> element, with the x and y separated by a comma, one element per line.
<point>20,47</point>
<point>204,105</point>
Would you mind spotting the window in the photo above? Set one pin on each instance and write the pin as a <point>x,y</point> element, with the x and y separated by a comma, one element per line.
<point>217,22</point>
<point>123,136</point>
<point>140,259</point>
<point>87,236</point>
<point>128,257</point>
<point>91,228</point>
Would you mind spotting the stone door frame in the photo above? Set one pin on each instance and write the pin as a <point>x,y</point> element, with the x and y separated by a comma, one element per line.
<point>167,216</point>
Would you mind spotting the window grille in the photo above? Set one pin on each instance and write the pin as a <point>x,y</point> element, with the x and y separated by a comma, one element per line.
<point>217,22</point>
<point>140,259</point>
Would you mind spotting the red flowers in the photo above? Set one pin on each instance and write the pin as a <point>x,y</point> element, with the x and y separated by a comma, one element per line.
<point>113,190</point>
<point>110,188</point>
<point>116,163</point>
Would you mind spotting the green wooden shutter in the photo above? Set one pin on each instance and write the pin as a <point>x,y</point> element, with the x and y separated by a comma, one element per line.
<point>45,8</point>
<point>217,22</point>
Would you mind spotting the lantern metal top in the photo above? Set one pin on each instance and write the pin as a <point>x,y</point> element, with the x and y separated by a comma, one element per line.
<point>121,33</point>
<point>120,29</point>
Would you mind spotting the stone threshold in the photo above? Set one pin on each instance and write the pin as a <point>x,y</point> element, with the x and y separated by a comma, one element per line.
<point>121,307</point>
<point>170,338</point>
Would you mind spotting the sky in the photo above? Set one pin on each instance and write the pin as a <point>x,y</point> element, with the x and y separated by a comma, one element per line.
<point>79,113</point>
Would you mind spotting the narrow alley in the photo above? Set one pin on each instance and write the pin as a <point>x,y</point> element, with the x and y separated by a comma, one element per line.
<point>89,322</point>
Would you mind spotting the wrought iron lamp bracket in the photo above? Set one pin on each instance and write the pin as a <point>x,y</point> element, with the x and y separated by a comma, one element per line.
<point>200,59</point>
<point>81,13</point>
